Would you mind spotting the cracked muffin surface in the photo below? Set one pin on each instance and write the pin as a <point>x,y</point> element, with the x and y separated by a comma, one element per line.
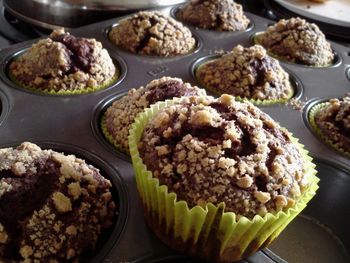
<point>121,114</point>
<point>220,150</point>
<point>53,207</point>
<point>64,62</point>
<point>247,73</point>
<point>152,33</point>
<point>334,122</point>
<point>298,41</point>
<point>221,15</point>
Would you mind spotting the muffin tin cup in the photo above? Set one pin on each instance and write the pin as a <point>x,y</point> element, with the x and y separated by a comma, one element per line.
<point>336,61</point>
<point>294,81</point>
<point>311,112</point>
<point>109,237</point>
<point>207,233</point>
<point>71,119</point>
<point>4,106</point>
<point>11,80</point>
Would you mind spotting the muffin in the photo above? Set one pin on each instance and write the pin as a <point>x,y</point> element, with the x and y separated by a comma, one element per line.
<point>121,114</point>
<point>53,207</point>
<point>247,73</point>
<point>297,41</point>
<point>332,121</point>
<point>152,33</point>
<point>221,15</point>
<point>218,179</point>
<point>64,63</point>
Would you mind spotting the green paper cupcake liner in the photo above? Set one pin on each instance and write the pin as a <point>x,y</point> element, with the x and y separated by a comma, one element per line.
<point>65,92</point>
<point>109,136</point>
<point>259,102</point>
<point>311,116</point>
<point>208,233</point>
<point>271,54</point>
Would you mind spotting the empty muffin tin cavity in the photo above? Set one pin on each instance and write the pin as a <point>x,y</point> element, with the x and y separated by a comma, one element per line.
<point>325,220</point>
<point>337,61</point>
<point>109,237</point>
<point>174,12</point>
<point>294,80</point>
<point>197,47</point>
<point>96,122</point>
<point>118,62</point>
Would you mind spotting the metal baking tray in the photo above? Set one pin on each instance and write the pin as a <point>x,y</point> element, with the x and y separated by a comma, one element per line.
<point>71,124</point>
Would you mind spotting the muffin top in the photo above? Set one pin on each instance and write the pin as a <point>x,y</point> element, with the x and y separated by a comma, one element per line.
<point>121,114</point>
<point>297,41</point>
<point>246,72</point>
<point>52,207</point>
<point>221,15</point>
<point>64,62</point>
<point>220,150</point>
<point>334,122</point>
<point>152,33</point>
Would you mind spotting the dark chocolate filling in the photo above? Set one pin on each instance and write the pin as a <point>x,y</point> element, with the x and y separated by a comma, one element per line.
<point>79,50</point>
<point>168,90</point>
<point>29,193</point>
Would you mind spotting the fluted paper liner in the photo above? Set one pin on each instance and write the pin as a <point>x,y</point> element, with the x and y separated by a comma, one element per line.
<point>208,233</point>
<point>66,92</point>
<point>109,136</point>
<point>314,110</point>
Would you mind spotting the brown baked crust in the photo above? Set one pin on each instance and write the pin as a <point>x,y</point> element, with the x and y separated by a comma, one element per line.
<point>52,207</point>
<point>297,41</point>
<point>152,33</point>
<point>221,15</point>
<point>63,62</point>
<point>121,114</point>
<point>334,122</point>
<point>246,72</point>
<point>220,150</point>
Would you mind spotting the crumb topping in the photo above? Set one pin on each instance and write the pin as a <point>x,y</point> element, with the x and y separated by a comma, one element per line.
<point>64,62</point>
<point>121,114</point>
<point>334,122</point>
<point>44,218</point>
<point>152,33</point>
<point>234,154</point>
<point>221,15</point>
<point>297,41</point>
<point>246,72</point>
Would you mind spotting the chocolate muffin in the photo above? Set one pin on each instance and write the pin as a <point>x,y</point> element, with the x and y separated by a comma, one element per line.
<point>52,207</point>
<point>152,33</point>
<point>247,73</point>
<point>221,15</point>
<point>219,150</point>
<point>297,41</point>
<point>64,63</point>
<point>333,120</point>
<point>121,114</point>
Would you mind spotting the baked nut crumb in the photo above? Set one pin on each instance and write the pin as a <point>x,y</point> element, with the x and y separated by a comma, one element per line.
<point>45,218</point>
<point>121,114</point>
<point>247,73</point>
<point>64,62</point>
<point>221,15</point>
<point>297,41</point>
<point>152,33</point>
<point>334,122</point>
<point>260,171</point>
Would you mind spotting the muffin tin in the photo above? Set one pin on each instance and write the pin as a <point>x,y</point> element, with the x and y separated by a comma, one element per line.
<point>72,124</point>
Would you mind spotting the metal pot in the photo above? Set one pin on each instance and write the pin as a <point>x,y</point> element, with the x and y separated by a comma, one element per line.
<point>75,13</point>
